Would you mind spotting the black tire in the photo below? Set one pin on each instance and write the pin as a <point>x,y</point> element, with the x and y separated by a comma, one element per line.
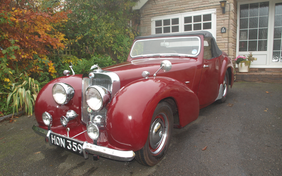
<point>159,136</point>
<point>225,88</point>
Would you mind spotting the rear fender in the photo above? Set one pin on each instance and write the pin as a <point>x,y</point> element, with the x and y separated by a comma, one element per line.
<point>226,67</point>
<point>131,109</point>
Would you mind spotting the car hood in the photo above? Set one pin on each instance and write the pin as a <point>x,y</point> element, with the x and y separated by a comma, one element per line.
<point>130,71</point>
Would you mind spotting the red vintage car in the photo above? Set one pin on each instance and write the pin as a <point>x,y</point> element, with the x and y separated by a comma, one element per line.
<point>128,110</point>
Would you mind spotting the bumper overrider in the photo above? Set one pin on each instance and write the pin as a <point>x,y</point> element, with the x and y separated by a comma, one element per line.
<point>87,148</point>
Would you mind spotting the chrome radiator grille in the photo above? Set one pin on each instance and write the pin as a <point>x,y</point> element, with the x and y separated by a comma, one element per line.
<point>109,80</point>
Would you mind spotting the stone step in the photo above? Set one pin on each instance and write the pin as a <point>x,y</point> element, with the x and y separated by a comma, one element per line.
<point>260,76</point>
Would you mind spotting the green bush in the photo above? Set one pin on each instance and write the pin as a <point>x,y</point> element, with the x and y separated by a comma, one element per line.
<point>23,94</point>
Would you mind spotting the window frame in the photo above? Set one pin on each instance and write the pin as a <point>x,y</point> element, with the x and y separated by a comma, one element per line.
<point>181,17</point>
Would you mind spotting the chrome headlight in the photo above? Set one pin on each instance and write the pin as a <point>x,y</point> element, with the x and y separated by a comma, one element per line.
<point>47,118</point>
<point>92,131</point>
<point>62,93</point>
<point>97,97</point>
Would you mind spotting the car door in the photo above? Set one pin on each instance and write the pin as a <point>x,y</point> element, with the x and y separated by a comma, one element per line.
<point>209,83</point>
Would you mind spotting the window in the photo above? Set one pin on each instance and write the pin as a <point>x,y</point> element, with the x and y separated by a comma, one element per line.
<point>253,26</point>
<point>167,26</point>
<point>277,32</point>
<point>184,22</point>
<point>197,22</point>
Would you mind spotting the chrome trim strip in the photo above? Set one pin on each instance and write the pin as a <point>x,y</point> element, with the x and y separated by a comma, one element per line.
<point>99,150</point>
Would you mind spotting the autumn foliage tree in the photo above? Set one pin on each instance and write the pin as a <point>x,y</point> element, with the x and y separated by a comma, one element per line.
<point>27,35</point>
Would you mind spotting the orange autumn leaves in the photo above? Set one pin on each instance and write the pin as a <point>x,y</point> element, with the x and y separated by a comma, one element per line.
<point>32,31</point>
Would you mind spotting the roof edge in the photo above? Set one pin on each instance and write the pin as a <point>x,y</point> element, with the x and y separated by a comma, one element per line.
<point>139,4</point>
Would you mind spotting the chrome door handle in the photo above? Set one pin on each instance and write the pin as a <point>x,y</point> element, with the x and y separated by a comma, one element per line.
<point>206,66</point>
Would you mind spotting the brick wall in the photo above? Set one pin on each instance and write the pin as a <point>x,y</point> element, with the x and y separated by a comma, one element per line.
<point>226,41</point>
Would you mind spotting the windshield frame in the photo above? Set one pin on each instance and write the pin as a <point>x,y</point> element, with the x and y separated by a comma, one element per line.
<point>167,54</point>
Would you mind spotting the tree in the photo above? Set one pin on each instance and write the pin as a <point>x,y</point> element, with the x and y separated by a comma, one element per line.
<point>30,32</point>
<point>100,28</point>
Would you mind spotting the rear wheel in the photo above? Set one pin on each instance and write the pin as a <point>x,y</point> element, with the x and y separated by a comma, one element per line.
<point>159,136</point>
<point>225,85</point>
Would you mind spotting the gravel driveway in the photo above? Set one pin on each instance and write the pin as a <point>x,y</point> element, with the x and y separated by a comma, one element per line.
<point>240,137</point>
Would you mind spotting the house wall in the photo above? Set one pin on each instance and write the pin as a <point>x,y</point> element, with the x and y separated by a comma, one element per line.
<point>226,41</point>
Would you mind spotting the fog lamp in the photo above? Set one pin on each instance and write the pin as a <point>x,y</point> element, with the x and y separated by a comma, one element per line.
<point>47,118</point>
<point>92,131</point>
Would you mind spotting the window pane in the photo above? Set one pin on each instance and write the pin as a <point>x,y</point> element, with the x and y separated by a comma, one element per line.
<point>243,23</point>
<point>252,46</point>
<point>243,46</point>
<point>197,26</point>
<point>254,9</point>
<point>207,26</point>
<point>263,34</point>
<point>197,18</point>
<point>166,29</point>
<point>188,19</point>
<point>253,23</point>
<point>263,22</point>
<point>243,34</point>
<point>276,44</point>
<point>263,9</point>
<point>276,54</point>
<point>158,30</point>
<point>262,46</point>
<point>174,21</point>
<point>278,20</point>
<point>278,8</point>
<point>207,17</point>
<point>277,32</point>
<point>253,34</point>
<point>175,28</point>
<point>188,27</point>
<point>244,10</point>
<point>166,22</point>
<point>158,23</point>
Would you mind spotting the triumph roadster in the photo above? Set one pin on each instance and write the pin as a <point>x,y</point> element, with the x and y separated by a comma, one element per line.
<point>129,110</point>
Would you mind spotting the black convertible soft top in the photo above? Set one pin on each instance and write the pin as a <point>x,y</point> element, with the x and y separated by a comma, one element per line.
<point>215,50</point>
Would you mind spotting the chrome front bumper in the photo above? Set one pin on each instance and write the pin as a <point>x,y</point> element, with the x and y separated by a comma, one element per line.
<point>88,148</point>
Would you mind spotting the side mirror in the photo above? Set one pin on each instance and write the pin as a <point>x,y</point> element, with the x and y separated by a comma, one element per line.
<point>165,66</point>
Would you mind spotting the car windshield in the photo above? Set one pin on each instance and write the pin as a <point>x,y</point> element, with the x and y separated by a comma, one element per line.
<point>176,46</point>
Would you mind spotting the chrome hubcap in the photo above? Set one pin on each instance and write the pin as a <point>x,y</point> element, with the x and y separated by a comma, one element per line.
<point>158,133</point>
<point>224,88</point>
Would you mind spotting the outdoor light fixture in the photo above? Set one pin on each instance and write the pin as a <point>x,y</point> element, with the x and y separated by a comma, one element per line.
<point>222,5</point>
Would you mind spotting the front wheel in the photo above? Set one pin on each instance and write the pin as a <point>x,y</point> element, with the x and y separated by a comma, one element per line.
<point>159,136</point>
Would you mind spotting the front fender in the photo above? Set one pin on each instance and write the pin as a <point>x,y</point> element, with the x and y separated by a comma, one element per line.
<point>131,110</point>
<point>45,102</point>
